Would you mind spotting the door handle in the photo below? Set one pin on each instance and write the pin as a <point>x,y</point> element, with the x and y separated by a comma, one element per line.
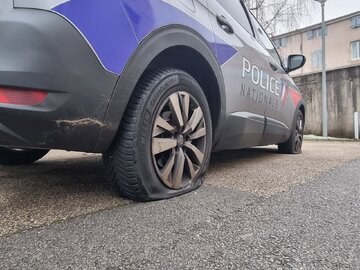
<point>273,67</point>
<point>224,24</point>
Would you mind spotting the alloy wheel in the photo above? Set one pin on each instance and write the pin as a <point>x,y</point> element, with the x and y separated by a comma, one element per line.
<point>299,133</point>
<point>179,140</point>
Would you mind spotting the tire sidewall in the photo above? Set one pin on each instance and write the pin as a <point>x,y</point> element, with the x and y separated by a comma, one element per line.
<point>168,84</point>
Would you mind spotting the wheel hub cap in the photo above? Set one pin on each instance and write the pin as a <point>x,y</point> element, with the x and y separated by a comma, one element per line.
<point>180,140</point>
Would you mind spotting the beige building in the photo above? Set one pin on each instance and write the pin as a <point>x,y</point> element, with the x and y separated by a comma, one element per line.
<point>342,44</point>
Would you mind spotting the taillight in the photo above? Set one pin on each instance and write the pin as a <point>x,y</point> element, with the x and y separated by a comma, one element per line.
<point>21,96</point>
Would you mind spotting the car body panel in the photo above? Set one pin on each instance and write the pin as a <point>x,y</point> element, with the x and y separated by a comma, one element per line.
<point>106,27</point>
<point>89,55</point>
<point>280,111</point>
<point>32,57</point>
<point>114,47</point>
<point>245,101</point>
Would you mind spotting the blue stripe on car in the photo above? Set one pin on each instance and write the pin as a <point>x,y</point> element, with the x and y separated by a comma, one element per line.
<point>107,28</point>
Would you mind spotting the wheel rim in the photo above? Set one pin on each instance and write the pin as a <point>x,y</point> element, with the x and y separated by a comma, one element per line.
<point>299,133</point>
<point>179,140</point>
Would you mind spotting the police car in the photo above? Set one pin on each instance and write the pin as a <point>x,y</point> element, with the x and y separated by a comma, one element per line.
<point>153,85</point>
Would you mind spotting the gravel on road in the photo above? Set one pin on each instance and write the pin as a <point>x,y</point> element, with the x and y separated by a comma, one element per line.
<point>312,226</point>
<point>66,184</point>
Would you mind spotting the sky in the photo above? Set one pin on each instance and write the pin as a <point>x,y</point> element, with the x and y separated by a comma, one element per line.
<point>334,9</point>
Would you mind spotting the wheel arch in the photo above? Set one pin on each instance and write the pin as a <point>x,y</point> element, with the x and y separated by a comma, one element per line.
<point>300,107</point>
<point>169,46</point>
<point>178,57</point>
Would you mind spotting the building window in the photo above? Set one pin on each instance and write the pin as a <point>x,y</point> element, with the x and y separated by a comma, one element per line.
<point>317,59</point>
<point>355,22</point>
<point>355,50</point>
<point>281,42</point>
<point>315,33</point>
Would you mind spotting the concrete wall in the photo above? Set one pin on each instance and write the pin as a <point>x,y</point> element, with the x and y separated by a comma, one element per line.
<point>343,100</point>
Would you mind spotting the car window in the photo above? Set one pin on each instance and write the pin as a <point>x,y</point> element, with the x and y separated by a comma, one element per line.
<point>265,41</point>
<point>236,10</point>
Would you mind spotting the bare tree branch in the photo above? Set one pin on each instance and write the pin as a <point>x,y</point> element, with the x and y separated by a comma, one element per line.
<point>280,15</point>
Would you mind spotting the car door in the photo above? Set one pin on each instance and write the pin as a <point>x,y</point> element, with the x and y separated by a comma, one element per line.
<point>244,65</point>
<point>280,107</point>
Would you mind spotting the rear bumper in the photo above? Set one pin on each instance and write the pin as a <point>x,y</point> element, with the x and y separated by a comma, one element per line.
<point>42,50</point>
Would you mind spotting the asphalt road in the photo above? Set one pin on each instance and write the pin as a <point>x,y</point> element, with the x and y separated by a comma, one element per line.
<point>258,210</point>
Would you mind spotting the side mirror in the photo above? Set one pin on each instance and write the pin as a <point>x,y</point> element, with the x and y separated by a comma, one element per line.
<point>295,62</point>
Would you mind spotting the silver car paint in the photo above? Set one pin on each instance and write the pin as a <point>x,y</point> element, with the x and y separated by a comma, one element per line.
<point>41,4</point>
<point>247,117</point>
<point>5,5</point>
